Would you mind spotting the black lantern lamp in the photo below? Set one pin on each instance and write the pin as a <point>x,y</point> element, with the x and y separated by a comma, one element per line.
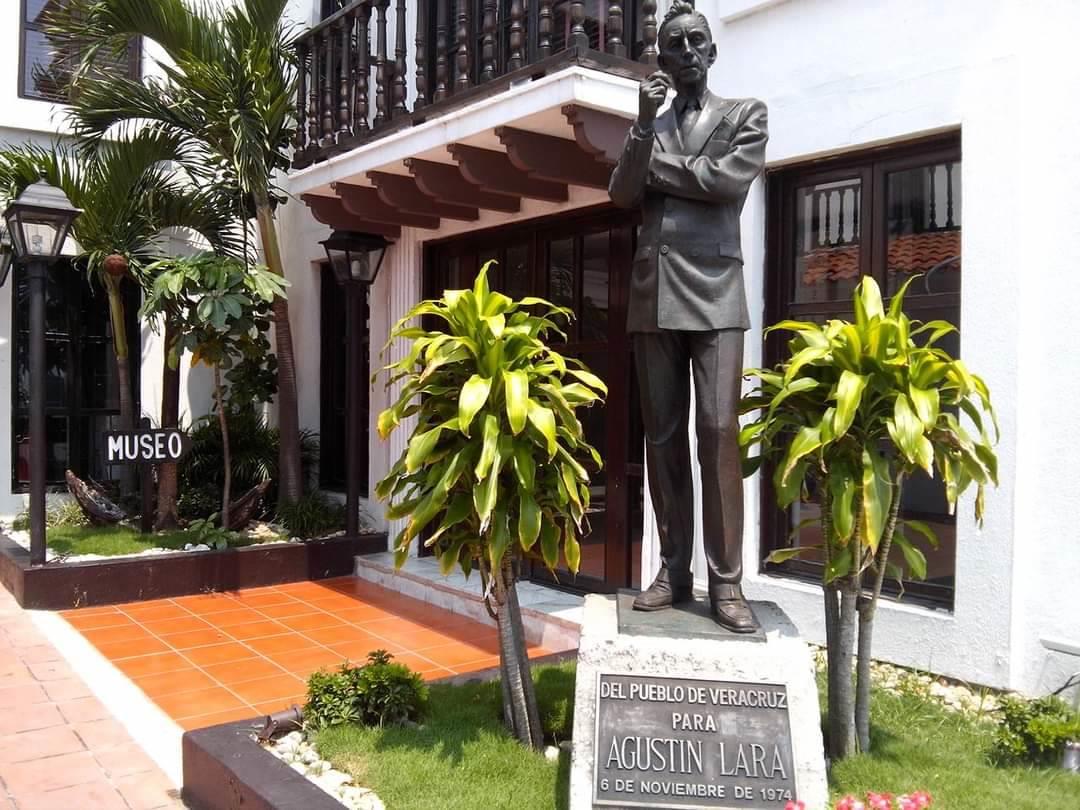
<point>7,253</point>
<point>38,223</point>
<point>355,257</point>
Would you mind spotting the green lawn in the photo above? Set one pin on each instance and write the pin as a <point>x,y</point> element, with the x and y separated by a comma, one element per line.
<point>463,760</point>
<point>113,540</point>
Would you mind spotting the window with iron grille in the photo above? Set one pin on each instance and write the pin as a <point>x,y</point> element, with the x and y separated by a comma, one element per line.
<point>889,213</point>
<point>45,67</point>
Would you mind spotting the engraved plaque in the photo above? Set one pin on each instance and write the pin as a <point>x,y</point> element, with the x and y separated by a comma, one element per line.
<point>685,742</point>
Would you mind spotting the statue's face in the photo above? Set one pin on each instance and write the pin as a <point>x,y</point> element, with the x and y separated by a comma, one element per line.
<point>686,50</point>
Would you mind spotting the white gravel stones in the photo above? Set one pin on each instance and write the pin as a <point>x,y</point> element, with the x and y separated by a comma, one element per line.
<point>301,756</point>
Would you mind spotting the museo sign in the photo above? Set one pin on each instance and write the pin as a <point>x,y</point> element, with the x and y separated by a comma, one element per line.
<point>685,742</point>
<point>145,446</point>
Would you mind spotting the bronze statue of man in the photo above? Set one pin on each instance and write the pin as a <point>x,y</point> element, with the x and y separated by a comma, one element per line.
<point>689,169</point>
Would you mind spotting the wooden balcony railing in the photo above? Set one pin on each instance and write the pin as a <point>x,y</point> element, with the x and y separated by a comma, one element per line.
<point>350,91</point>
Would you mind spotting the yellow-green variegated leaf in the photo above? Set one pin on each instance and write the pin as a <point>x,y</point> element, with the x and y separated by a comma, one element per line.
<point>784,554</point>
<point>524,466</point>
<point>589,379</point>
<point>842,489</point>
<point>516,384</point>
<point>806,441</point>
<point>543,419</point>
<point>571,550</point>
<point>500,539</point>
<point>420,447</point>
<point>876,497</point>
<point>927,404</point>
<point>849,390</point>
<point>915,559</point>
<point>868,304</point>
<point>386,423</point>
<point>549,543</point>
<point>529,518</point>
<point>491,443</point>
<point>908,428</point>
<point>472,398</point>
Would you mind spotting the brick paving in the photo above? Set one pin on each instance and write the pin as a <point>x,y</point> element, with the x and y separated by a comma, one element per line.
<point>213,658</point>
<point>60,748</point>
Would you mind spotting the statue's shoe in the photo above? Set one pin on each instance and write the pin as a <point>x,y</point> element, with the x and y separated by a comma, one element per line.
<point>662,594</point>
<point>734,615</point>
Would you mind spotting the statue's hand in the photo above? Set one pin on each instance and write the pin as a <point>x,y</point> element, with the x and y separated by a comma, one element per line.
<point>651,94</point>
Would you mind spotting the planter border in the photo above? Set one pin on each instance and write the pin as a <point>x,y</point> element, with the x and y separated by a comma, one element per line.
<point>62,586</point>
<point>225,769</point>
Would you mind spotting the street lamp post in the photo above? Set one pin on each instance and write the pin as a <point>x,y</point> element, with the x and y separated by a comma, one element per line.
<point>355,259</point>
<point>38,222</point>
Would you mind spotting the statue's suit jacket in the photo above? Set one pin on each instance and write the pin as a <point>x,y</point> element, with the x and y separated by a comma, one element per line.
<point>687,271</point>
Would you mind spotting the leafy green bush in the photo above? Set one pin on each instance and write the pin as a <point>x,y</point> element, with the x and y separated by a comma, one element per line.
<point>314,515</point>
<point>58,513</point>
<point>379,693</point>
<point>1034,731</point>
<point>253,445</point>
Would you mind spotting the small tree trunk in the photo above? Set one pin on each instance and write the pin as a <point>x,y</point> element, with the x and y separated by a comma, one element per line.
<point>226,494</point>
<point>524,725</point>
<point>867,609</point>
<point>290,474</point>
<point>832,607</point>
<point>168,476</point>
<point>842,723</point>
<point>521,648</point>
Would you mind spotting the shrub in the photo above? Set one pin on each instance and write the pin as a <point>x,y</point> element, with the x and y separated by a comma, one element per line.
<point>379,693</point>
<point>1034,731</point>
<point>314,515</point>
<point>253,445</point>
<point>59,513</point>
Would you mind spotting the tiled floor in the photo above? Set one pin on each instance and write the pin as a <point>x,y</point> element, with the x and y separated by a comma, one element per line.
<point>217,657</point>
<point>60,748</point>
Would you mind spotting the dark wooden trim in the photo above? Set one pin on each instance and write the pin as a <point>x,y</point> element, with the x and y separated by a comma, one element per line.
<point>402,192</point>
<point>366,203</point>
<point>493,170</point>
<point>448,104</point>
<point>549,158</point>
<point>598,133</point>
<point>62,586</point>
<point>445,183</point>
<point>331,211</point>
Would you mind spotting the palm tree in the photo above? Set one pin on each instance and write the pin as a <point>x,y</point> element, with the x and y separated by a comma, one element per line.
<point>227,87</point>
<point>130,191</point>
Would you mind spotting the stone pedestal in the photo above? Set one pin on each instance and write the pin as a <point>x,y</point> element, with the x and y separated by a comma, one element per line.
<point>672,711</point>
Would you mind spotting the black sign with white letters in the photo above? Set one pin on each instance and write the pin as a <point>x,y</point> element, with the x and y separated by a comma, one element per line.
<point>689,743</point>
<point>145,446</point>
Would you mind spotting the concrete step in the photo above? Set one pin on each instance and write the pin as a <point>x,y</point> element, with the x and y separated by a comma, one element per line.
<point>551,618</point>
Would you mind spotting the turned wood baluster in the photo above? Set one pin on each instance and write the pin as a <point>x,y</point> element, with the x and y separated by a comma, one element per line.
<point>578,37</point>
<point>382,107</point>
<point>300,136</point>
<point>487,43</point>
<point>328,89</point>
<point>543,43</point>
<point>615,44</point>
<point>344,66</point>
<point>517,35</point>
<point>421,58</point>
<point>648,32</point>
<point>442,46</point>
<point>363,67</point>
<point>400,89</point>
<point>462,81</point>
<point>313,97</point>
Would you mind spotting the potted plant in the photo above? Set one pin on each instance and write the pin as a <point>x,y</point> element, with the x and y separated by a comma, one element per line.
<point>853,412</point>
<point>495,467</point>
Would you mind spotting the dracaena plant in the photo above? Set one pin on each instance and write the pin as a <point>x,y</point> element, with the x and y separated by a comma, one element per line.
<point>854,411</point>
<point>496,466</point>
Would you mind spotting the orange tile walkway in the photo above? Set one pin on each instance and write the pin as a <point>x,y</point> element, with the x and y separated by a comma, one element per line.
<point>213,658</point>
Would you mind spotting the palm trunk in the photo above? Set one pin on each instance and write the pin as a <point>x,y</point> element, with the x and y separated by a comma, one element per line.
<point>123,371</point>
<point>290,475</point>
<point>168,477</point>
<point>867,609</point>
<point>226,494</point>
<point>514,663</point>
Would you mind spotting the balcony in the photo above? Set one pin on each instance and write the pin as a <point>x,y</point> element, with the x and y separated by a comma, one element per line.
<point>351,93</point>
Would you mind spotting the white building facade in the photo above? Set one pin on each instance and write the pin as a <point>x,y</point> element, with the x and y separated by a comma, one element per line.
<point>904,137</point>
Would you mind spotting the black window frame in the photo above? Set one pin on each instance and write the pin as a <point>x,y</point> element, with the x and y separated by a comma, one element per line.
<point>134,67</point>
<point>76,294</point>
<point>871,166</point>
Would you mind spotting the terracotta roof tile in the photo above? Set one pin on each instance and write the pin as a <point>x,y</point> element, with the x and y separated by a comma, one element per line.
<point>909,253</point>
